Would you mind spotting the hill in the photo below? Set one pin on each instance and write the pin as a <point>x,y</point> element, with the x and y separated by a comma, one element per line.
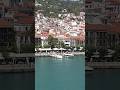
<point>52,8</point>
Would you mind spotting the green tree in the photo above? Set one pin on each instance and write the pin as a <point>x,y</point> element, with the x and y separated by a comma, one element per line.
<point>52,41</point>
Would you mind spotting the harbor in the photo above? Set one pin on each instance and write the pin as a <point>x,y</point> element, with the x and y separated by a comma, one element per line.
<point>65,74</point>
<point>49,54</point>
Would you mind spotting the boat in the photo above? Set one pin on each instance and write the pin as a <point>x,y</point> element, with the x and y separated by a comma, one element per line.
<point>68,54</point>
<point>57,56</point>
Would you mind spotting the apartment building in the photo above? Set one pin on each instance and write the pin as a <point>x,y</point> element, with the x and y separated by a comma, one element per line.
<point>7,34</point>
<point>100,36</point>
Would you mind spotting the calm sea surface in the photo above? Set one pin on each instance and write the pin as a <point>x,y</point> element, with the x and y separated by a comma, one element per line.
<point>103,80</point>
<point>56,74</point>
<point>17,81</point>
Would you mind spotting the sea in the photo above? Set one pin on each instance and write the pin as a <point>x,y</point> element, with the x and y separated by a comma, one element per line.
<point>17,81</point>
<point>103,79</point>
<point>60,74</point>
<point>66,74</point>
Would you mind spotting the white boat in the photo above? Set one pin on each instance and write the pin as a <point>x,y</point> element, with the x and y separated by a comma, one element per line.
<point>56,56</point>
<point>68,54</point>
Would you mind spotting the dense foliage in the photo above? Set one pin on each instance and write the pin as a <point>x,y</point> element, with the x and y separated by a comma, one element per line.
<point>52,8</point>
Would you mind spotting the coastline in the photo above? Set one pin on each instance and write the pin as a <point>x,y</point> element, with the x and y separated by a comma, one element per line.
<point>17,68</point>
<point>104,65</point>
<point>48,54</point>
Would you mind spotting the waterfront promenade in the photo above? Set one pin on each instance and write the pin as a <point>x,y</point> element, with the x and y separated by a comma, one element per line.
<point>24,62</point>
<point>17,68</point>
<point>104,65</point>
<point>39,54</point>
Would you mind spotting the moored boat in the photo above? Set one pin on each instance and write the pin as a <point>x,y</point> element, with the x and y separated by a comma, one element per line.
<point>57,56</point>
<point>68,54</point>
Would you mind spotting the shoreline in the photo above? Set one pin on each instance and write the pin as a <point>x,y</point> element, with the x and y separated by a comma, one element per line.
<point>104,65</point>
<point>17,68</point>
<point>48,54</point>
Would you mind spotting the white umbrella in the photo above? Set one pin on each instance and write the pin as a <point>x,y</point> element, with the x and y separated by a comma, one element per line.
<point>45,49</point>
<point>62,49</point>
<point>55,49</point>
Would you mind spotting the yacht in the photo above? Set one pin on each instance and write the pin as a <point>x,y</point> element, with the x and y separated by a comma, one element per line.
<point>68,54</point>
<point>56,55</point>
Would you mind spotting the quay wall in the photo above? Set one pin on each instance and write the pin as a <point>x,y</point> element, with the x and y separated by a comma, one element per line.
<point>104,65</point>
<point>17,68</point>
<point>48,54</point>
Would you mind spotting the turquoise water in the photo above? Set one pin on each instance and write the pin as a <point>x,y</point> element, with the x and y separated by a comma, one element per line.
<point>56,74</point>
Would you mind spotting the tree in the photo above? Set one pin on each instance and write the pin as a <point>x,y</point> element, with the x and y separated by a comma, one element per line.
<point>52,41</point>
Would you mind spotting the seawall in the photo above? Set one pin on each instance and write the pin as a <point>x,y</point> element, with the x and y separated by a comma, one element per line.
<point>104,65</point>
<point>17,68</point>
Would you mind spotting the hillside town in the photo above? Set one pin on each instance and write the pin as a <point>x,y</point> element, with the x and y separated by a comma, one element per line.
<point>67,27</point>
<point>70,29</point>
